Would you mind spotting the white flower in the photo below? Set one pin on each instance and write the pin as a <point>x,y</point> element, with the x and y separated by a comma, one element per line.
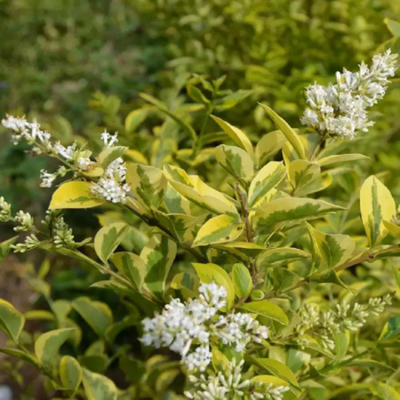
<point>199,359</point>
<point>47,178</point>
<point>109,139</point>
<point>341,109</point>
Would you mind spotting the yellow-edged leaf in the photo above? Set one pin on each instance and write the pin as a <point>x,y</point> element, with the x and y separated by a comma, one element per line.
<point>266,309</point>
<point>108,239</point>
<point>11,320</point>
<point>110,154</point>
<point>280,256</point>
<point>132,266</point>
<point>339,158</point>
<point>242,280</point>
<point>302,172</point>
<point>98,387</point>
<point>74,195</point>
<point>220,229</point>
<point>236,161</point>
<point>377,205</point>
<point>70,373</point>
<point>268,145</point>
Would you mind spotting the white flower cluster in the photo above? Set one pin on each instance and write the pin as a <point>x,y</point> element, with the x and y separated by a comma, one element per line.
<point>73,157</point>
<point>182,324</point>
<point>25,222</point>
<point>5,210</point>
<point>229,384</point>
<point>324,324</point>
<point>112,186</point>
<point>341,109</point>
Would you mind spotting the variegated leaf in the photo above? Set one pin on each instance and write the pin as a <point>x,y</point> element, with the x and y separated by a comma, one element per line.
<point>98,387</point>
<point>131,265</point>
<point>302,173</point>
<point>108,239</point>
<point>236,161</point>
<point>268,145</point>
<point>280,256</point>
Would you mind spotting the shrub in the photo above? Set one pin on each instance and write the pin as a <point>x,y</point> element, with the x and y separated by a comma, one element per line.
<point>237,276</point>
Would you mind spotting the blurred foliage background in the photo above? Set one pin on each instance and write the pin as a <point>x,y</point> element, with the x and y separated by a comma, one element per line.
<point>80,66</point>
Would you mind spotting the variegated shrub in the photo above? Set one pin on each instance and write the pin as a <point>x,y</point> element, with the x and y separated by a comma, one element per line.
<point>256,269</point>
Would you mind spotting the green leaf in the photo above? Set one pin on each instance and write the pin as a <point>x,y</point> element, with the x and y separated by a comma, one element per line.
<point>213,273</point>
<point>276,368</point>
<point>340,158</point>
<point>393,26</point>
<point>396,274</point>
<point>185,127</point>
<point>236,135</point>
<point>115,329</point>
<point>281,256</point>
<point>266,309</point>
<point>147,183</point>
<point>132,368</point>
<point>24,356</point>
<point>220,229</point>
<point>75,194</point>
<point>391,330</point>
<point>70,373</point>
<point>341,344</point>
<point>5,247</point>
<point>110,154</point>
<point>98,387</point>
<point>268,145</point>
<point>242,280</point>
<point>335,249</point>
<point>266,380</point>
<point>290,209</point>
<point>268,177</point>
<point>377,204</point>
<point>197,95</point>
<point>328,276</point>
<point>302,173</point>
<point>236,161</point>
<point>97,314</point>
<point>11,320</point>
<point>290,134</point>
<point>219,360</point>
<point>158,255</point>
<point>108,239</point>
<point>132,266</point>
<point>48,344</point>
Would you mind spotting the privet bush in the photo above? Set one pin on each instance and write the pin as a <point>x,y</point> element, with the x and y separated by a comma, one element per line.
<point>238,276</point>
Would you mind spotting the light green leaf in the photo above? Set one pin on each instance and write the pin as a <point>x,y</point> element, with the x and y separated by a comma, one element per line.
<point>268,177</point>
<point>281,256</point>
<point>11,320</point>
<point>108,239</point>
<point>391,330</point>
<point>70,373</point>
<point>197,95</point>
<point>268,145</point>
<point>75,194</point>
<point>290,134</point>
<point>48,344</point>
<point>277,368</point>
<point>302,173</point>
<point>341,344</point>
<point>147,183</point>
<point>158,255</point>
<point>236,161</point>
<point>340,158</point>
<point>393,26</point>
<point>220,229</point>
<point>377,205</point>
<point>110,154</point>
<point>135,118</point>
<point>97,314</point>
<point>213,273</point>
<point>236,135</point>
<point>242,280</point>
<point>266,309</point>
<point>5,247</point>
<point>98,387</point>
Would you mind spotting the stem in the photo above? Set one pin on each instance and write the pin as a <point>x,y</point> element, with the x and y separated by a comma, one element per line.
<point>318,147</point>
<point>245,215</point>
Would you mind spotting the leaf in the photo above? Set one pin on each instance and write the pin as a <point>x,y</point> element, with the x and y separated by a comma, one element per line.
<point>340,158</point>
<point>132,368</point>
<point>5,247</point>
<point>70,373</point>
<point>268,145</point>
<point>147,183</point>
<point>396,274</point>
<point>392,228</point>
<point>135,118</point>
<point>132,266</point>
<point>266,309</point>
<point>290,134</point>
<point>158,255</point>
<point>110,154</point>
<point>197,95</point>
<point>220,229</point>
<point>98,387</point>
<point>24,356</point>
<point>242,280</point>
<point>377,204</point>
<point>236,135</point>
<point>75,194</point>
<point>268,177</point>
<point>219,360</point>
<point>335,249</point>
<point>114,330</point>
<point>281,256</point>
<point>328,276</point>
<point>195,190</point>
<point>213,273</point>
<point>236,161</point>
<point>302,173</point>
<point>391,330</point>
<point>290,209</point>
<point>393,26</point>
<point>277,368</point>
<point>341,344</point>
<point>48,344</point>
<point>185,127</point>
<point>11,320</point>
<point>108,239</point>
<point>97,314</point>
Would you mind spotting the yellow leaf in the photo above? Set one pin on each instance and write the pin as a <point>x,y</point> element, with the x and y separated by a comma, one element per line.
<point>74,195</point>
